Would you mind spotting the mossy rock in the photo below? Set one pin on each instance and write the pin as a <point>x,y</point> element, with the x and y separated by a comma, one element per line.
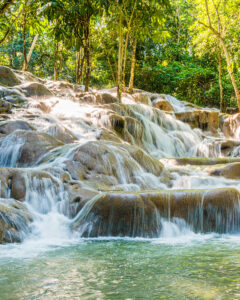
<point>7,77</point>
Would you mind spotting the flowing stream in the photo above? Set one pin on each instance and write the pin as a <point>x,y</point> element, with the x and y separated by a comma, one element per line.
<point>112,215</point>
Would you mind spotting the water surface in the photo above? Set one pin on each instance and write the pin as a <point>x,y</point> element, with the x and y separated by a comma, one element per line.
<point>187,267</point>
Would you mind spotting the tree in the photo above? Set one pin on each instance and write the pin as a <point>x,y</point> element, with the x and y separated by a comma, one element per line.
<point>218,16</point>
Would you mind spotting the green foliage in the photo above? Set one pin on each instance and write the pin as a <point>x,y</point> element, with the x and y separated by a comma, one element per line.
<point>175,55</point>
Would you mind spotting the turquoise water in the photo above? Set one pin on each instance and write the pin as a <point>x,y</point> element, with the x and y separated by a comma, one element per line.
<point>198,267</point>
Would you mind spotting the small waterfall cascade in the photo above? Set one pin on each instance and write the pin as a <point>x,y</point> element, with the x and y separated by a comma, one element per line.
<point>10,150</point>
<point>146,214</point>
<point>70,163</point>
<point>48,201</point>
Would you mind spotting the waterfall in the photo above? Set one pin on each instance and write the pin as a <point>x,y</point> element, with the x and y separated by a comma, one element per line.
<point>10,151</point>
<point>115,151</point>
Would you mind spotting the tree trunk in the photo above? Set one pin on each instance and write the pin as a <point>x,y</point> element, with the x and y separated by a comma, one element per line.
<point>110,64</point>
<point>126,44</point>
<point>88,67</point>
<point>87,57</point>
<point>230,72</point>
<point>78,59</point>
<point>25,65</point>
<point>111,69</point>
<point>79,65</point>
<point>10,28</point>
<point>133,63</point>
<point>56,67</point>
<point>125,61</point>
<point>24,41</point>
<point>120,54</point>
<point>220,81</point>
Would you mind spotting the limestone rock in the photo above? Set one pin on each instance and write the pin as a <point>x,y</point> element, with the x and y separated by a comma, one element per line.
<point>12,95</point>
<point>231,171</point>
<point>7,77</point>
<point>106,98</point>
<point>5,106</point>
<point>14,221</point>
<point>140,213</point>
<point>203,119</point>
<point>61,133</point>
<point>32,145</point>
<point>9,126</point>
<point>36,90</point>
<point>230,126</point>
<point>112,163</point>
<point>141,98</point>
<point>162,104</point>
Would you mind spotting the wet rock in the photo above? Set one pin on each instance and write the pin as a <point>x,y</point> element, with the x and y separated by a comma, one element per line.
<point>162,104</point>
<point>78,192</point>
<point>230,126</point>
<point>66,89</point>
<point>135,129</point>
<point>14,221</point>
<point>12,95</point>
<point>89,98</point>
<point>44,107</point>
<point>61,133</point>
<point>111,163</point>
<point>108,135</point>
<point>29,146</point>
<point>198,161</point>
<point>141,98</point>
<point>203,119</point>
<point>62,88</point>
<point>36,90</point>
<point>106,98</point>
<point>140,213</point>
<point>27,76</point>
<point>7,77</point>
<point>9,126</point>
<point>117,122</point>
<point>228,147</point>
<point>5,106</point>
<point>14,182</point>
<point>231,171</point>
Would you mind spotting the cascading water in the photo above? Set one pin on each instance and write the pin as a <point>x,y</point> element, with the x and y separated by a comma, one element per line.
<point>156,193</point>
<point>98,158</point>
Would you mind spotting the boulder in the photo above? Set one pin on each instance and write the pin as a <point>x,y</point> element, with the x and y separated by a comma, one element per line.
<point>36,90</point>
<point>88,98</point>
<point>7,77</point>
<point>108,135</point>
<point>61,133</point>
<point>26,147</point>
<point>230,126</point>
<point>141,98</point>
<point>203,119</point>
<point>27,76</point>
<point>5,106</point>
<point>162,104</point>
<point>231,171</point>
<point>106,98</point>
<point>12,95</point>
<point>140,213</point>
<point>111,163</point>
<point>9,126</point>
<point>14,221</point>
<point>61,88</point>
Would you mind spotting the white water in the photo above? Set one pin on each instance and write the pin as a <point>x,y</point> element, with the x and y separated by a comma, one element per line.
<point>163,137</point>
